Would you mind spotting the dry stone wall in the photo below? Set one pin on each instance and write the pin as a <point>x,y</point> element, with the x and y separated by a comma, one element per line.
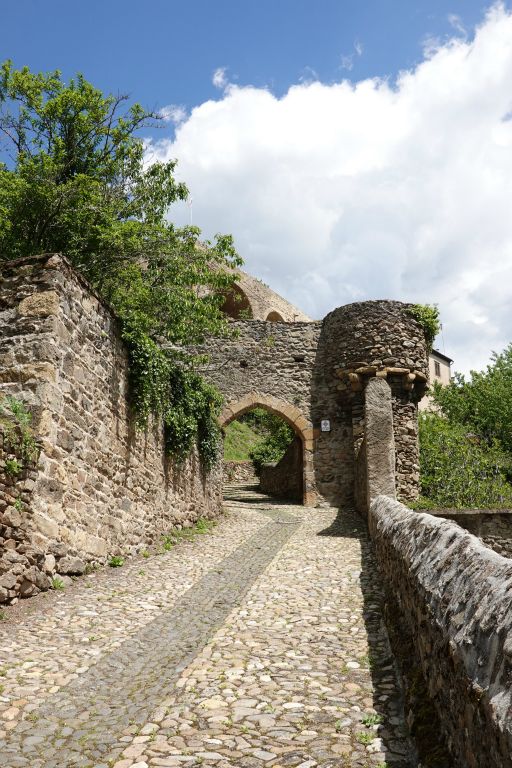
<point>100,486</point>
<point>452,599</point>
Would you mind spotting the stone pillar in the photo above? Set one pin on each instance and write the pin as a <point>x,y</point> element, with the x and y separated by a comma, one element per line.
<point>379,439</point>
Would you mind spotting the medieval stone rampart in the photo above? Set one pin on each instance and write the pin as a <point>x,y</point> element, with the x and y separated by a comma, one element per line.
<point>100,486</point>
<point>450,600</point>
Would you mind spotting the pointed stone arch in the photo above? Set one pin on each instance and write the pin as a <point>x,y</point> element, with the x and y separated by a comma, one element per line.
<point>293,416</point>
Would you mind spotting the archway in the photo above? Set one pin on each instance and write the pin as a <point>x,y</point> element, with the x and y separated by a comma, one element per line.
<point>236,304</point>
<point>274,317</point>
<point>300,425</point>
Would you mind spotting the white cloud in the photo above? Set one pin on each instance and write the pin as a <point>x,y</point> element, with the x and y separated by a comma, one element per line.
<point>351,191</point>
<point>219,78</point>
<point>173,113</point>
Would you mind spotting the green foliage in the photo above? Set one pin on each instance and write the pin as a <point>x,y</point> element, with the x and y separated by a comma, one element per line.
<point>427,316</point>
<point>482,403</point>
<point>57,583</point>
<point>273,447</point>
<point>78,183</point>
<point>459,470</point>
<point>116,561</point>
<point>363,737</point>
<point>13,467</point>
<point>370,720</point>
<point>240,439</point>
<point>18,437</point>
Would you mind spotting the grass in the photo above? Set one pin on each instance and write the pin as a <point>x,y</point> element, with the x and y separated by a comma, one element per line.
<point>116,561</point>
<point>370,720</point>
<point>240,440</point>
<point>365,738</point>
<point>57,583</point>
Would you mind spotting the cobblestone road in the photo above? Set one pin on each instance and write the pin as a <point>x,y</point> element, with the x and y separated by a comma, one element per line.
<point>261,644</point>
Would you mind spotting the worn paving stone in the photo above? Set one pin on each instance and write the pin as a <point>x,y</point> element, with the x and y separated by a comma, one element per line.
<point>259,645</point>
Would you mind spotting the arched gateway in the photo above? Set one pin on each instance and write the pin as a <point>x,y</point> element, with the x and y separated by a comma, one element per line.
<point>293,416</point>
<point>314,374</point>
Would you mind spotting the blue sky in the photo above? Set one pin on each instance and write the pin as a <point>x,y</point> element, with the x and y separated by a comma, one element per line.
<point>163,51</point>
<point>355,149</point>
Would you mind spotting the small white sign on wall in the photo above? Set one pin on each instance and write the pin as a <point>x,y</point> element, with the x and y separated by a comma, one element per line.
<point>325,425</point>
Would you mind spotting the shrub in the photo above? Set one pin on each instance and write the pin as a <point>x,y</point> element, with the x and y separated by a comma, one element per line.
<point>458,469</point>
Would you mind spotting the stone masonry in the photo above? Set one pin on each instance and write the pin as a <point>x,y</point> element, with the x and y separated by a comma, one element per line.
<point>313,371</point>
<point>450,597</point>
<point>100,487</point>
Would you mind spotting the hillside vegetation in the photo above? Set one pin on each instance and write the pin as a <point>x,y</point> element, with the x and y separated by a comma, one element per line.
<point>259,436</point>
<point>240,440</point>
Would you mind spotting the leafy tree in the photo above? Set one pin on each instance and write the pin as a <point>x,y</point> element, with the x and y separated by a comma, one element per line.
<point>75,180</point>
<point>458,470</point>
<point>482,403</point>
<point>279,435</point>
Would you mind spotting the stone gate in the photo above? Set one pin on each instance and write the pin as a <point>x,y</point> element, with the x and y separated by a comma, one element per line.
<point>314,374</point>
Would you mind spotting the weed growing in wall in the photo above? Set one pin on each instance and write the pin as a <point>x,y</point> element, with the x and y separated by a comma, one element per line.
<point>427,315</point>
<point>18,438</point>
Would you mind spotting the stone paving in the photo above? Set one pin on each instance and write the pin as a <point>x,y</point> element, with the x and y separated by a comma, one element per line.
<point>261,644</point>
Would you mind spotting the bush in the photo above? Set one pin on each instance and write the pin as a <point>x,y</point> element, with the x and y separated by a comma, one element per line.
<point>274,446</point>
<point>458,469</point>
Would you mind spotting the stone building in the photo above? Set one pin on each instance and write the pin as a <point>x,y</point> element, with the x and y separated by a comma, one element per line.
<point>439,369</point>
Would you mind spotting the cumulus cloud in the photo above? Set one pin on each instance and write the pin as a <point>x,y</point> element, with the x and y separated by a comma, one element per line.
<point>350,191</point>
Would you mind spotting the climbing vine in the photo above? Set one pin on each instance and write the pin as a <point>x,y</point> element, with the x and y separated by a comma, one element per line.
<point>167,387</point>
<point>427,315</point>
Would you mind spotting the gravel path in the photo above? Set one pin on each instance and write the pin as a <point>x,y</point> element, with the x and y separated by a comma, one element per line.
<point>260,644</point>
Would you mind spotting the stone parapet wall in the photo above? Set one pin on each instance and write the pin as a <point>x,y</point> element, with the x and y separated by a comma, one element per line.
<point>492,526</point>
<point>101,486</point>
<point>452,598</point>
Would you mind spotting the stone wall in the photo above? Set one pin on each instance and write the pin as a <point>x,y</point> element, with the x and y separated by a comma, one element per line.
<point>452,598</point>
<point>321,369</point>
<point>379,339</point>
<point>284,479</point>
<point>492,526</point>
<point>239,470</point>
<point>24,569</point>
<point>101,487</point>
